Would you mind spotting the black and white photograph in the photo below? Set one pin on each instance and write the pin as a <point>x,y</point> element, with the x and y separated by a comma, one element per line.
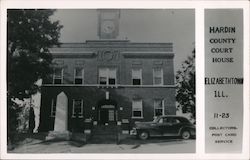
<point>101,81</point>
<point>124,79</point>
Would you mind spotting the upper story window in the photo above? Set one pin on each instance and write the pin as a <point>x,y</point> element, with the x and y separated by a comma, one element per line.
<point>136,76</point>
<point>107,76</point>
<point>137,111</point>
<point>78,76</point>
<point>53,108</point>
<point>157,76</point>
<point>77,109</point>
<point>158,107</point>
<point>58,76</point>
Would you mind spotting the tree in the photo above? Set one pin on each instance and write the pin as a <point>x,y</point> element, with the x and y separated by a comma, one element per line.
<point>30,34</point>
<point>185,83</point>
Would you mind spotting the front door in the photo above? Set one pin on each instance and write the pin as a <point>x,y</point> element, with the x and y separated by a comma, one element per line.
<point>107,114</point>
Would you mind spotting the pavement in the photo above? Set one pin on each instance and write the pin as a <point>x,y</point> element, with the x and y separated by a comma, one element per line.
<point>128,145</point>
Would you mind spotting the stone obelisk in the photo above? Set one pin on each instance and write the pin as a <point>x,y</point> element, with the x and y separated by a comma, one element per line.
<point>61,119</point>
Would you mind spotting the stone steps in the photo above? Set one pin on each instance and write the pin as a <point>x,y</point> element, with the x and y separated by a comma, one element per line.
<point>104,135</point>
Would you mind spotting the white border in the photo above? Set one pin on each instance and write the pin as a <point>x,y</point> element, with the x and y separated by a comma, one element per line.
<point>199,6</point>
<point>200,98</point>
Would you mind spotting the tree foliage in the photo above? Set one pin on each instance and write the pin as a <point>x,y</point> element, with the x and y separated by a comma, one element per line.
<point>185,83</point>
<point>30,34</point>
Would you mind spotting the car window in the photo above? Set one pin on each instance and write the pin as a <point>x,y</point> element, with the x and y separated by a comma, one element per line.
<point>160,120</point>
<point>165,120</point>
<point>178,121</point>
<point>175,121</point>
<point>184,120</point>
<point>171,120</point>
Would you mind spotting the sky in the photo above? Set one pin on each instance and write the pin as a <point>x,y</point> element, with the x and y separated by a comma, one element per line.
<point>175,26</point>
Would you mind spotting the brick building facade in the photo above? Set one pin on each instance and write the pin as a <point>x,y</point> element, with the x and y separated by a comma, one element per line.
<point>109,81</point>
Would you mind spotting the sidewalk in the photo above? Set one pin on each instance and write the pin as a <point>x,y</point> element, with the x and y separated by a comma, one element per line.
<point>128,145</point>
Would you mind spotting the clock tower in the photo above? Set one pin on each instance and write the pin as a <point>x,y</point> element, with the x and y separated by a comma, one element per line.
<point>108,23</point>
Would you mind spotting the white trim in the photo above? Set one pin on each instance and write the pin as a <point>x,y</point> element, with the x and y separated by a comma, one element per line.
<point>141,109</point>
<point>140,69</point>
<point>51,109</point>
<point>137,117</point>
<point>107,75</point>
<point>115,86</point>
<point>82,76</point>
<point>162,77</point>
<point>147,52</point>
<point>53,76</point>
<point>61,77</point>
<point>73,109</point>
<point>68,52</point>
<point>88,131</point>
<point>81,108</point>
<point>125,131</point>
<point>74,75</point>
<point>62,72</point>
<point>162,106</point>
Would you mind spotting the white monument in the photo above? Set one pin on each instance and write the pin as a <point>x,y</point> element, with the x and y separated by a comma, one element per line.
<point>61,119</point>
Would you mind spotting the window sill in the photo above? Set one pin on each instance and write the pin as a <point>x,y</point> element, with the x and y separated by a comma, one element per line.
<point>158,85</point>
<point>76,117</point>
<point>137,117</point>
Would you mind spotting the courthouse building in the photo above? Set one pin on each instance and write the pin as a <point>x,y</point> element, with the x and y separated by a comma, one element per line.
<point>109,81</point>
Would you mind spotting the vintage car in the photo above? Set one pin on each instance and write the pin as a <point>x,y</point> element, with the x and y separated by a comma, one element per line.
<point>169,125</point>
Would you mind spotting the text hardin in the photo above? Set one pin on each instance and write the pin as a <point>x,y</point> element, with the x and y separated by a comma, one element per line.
<point>224,29</point>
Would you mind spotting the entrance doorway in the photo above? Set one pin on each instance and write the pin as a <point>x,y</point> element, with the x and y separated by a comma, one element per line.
<point>107,112</point>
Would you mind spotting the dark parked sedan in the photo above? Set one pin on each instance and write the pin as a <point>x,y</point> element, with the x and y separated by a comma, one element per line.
<point>169,125</point>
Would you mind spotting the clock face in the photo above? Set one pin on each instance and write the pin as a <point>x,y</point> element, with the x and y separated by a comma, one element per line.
<point>108,26</point>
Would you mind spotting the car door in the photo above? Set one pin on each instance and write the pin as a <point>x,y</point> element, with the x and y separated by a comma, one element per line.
<point>165,126</point>
<point>155,129</point>
<point>170,126</point>
<point>175,126</point>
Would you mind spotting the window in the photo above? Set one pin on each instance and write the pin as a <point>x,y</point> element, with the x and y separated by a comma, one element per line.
<point>137,108</point>
<point>171,120</point>
<point>77,109</point>
<point>136,76</point>
<point>53,108</point>
<point>157,76</point>
<point>107,76</point>
<point>58,76</point>
<point>159,107</point>
<point>79,72</point>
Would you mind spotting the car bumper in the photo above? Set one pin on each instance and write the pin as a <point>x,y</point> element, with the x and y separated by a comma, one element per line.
<point>193,133</point>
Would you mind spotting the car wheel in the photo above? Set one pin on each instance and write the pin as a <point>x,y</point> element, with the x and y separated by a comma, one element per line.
<point>185,134</point>
<point>143,135</point>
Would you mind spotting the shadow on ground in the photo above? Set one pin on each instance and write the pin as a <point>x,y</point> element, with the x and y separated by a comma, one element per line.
<point>152,140</point>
